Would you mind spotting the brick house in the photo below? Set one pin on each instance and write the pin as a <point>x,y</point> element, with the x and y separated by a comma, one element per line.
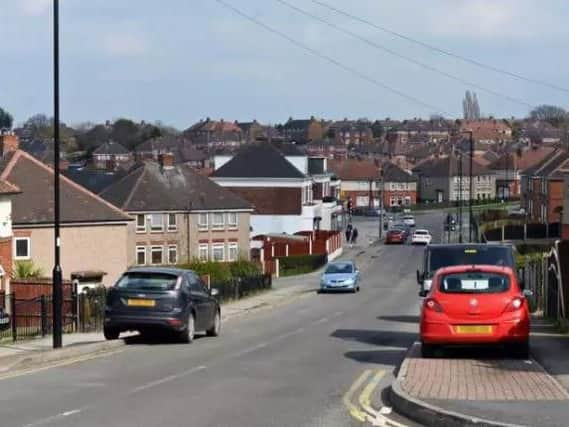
<point>399,187</point>
<point>7,191</point>
<point>183,150</point>
<point>440,180</point>
<point>351,132</point>
<point>87,221</point>
<point>253,131</point>
<point>487,131</point>
<point>111,156</point>
<point>180,215</point>
<point>423,131</point>
<point>303,131</point>
<point>543,189</point>
<point>509,166</point>
<point>281,184</point>
<point>215,132</point>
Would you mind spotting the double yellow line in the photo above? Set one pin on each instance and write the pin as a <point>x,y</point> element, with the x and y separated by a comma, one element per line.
<point>363,410</point>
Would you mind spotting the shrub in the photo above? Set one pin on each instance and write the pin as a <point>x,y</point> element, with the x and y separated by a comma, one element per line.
<point>301,264</point>
<point>244,268</point>
<point>217,271</point>
<point>26,270</point>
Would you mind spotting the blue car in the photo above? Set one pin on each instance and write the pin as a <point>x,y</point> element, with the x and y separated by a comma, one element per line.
<point>340,276</point>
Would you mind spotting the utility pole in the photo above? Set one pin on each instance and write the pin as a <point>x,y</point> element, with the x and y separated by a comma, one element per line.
<point>471,189</point>
<point>57,293</point>
<point>381,203</point>
<point>460,198</point>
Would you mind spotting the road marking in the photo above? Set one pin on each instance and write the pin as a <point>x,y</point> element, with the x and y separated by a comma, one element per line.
<point>166,379</point>
<point>338,313</point>
<point>53,418</point>
<point>59,364</point>
<point>384,421</point>
<point>365,396</point>
<point>319,321</point>
<point>356,412</point>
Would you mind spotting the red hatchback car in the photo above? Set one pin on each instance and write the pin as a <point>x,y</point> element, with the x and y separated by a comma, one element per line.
<point>395,236</point>
<point>477,304</point>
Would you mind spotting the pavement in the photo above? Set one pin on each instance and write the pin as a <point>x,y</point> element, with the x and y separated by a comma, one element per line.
<point>290,357</point>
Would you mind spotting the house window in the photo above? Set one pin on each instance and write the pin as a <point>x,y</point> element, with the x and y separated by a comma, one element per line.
<point>141,255</point>
<point>22,248</point>
<point>172,254</point>
<point>172,222</point>
<point>203,221</point>
<point>232,219</point>
<point>203,251</point>
<point>156,255</point>
<point>156,222</point>
<point>218,220</point>
<point>232,252</point>
<point>141,223</point>
<point>218,252</point>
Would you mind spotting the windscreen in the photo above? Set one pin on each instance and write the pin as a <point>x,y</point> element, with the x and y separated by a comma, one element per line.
<point>343,268</point>
<point>147,281</point>
<point>439,257</point>
<point>474,283</point>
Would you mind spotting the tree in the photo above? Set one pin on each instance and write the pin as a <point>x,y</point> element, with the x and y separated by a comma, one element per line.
<point>555,116</point>
<point>470,106</point>
<point>377,129</point>
<point>6,119</point>
<point>40,127</point>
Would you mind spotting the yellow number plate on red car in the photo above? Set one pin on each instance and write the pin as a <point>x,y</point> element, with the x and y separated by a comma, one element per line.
<point>141,302</point>
<point>474,329</point>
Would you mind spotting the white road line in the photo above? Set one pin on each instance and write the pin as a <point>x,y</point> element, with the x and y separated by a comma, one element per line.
<point>338,313</point>
<point>319,321</point>
<point>166,379</point>
<point>50,420</point>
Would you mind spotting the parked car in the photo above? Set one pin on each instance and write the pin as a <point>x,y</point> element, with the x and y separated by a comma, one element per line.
<point>421,237</point>
<point>475,304</point>
<point>445,255</point>
<point>4,320</point>
<point>409,220</point>
<point>402,226</point>
<point>340,276</point>
<point>395,235</point>
<point>166,299</point>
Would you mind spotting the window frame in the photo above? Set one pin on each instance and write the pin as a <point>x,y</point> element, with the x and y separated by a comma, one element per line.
<point>172,228</point>
<point>173,248</point>
<point>217,226</point>
<point>141,250</point>
<point>232,246</point>
<point>218,246</point>
<point>201,225</point>
<point>201,247</point>
<point>29,248</point>
<point>230,225</point>
<point>141,228</point>
<point>156,249</point>
<point>154,229</point>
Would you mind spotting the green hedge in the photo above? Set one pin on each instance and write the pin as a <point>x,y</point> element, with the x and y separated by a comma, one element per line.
<point>301,264</point>
<point>223,272</point>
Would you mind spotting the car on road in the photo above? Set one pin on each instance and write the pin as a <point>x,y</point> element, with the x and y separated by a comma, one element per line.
<point>395,235</point>
<point>4,320</point>
<point>340,276</point>
<point>421,237</point>
<point>404,227</point>
<point>473,305</point>
<point>437,256</point>
<point>148,299</point>
<point>409,220</point>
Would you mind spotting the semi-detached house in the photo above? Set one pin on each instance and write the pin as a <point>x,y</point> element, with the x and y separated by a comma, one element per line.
<point>290,192</point>
<point>180,215</point>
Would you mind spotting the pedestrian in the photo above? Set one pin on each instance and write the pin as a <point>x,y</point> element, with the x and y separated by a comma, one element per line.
<point>349,235</point>
<point>354,235</point>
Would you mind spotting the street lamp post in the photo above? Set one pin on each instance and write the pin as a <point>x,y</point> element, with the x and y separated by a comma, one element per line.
<point>57,293</point>
<point>460,197</point>
<point>381,203</point>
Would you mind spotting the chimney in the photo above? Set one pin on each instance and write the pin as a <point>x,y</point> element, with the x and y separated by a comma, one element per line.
<point>166,160</point>
<point>9,143</point>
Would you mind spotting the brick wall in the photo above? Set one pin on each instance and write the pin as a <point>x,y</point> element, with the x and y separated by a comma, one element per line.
<point>554,200</point>
<point>272,201</point>
<point>314,131</point>
<point>6,260</point>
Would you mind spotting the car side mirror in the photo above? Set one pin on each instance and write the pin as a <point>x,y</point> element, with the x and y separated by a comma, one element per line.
<point>423,293</point>
<point>419,278</point>
<point>214,292</point>
<point>527,293</point>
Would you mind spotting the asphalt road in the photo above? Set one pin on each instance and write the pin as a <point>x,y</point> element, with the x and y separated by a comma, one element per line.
<point>290,366</point>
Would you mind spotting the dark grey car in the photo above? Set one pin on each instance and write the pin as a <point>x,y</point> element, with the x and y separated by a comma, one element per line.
<point>171,299</point>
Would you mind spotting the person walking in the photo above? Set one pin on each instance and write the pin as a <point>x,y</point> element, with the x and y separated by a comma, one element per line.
<point>354,236</point>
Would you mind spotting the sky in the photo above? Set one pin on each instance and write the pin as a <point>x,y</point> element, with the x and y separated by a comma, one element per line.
<point>178,61</point>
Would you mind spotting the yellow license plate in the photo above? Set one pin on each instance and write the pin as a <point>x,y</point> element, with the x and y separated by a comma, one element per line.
<point>141,302</point>
<point>474,329</point>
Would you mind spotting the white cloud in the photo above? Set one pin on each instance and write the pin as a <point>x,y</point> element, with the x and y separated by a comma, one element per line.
<point>125,45</point>
<point>34,7</point>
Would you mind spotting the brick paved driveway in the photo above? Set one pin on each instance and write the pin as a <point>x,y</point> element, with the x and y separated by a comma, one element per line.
<point>473,379</point>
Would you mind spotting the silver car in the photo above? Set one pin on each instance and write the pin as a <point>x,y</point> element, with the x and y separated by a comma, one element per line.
<point>340,276</point>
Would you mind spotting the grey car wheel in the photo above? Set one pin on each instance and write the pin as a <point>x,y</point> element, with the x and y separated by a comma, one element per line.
<point>215,329</point>
<point>188,334</point>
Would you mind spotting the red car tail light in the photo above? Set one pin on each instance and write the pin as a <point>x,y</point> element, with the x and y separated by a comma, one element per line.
<point>516,304</point>
<point>432,304</point>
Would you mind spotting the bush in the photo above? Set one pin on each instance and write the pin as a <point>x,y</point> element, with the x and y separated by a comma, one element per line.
<point>26,270</point>
<point>223,272</point>
<point>301,264</point>
<point>244,268</point>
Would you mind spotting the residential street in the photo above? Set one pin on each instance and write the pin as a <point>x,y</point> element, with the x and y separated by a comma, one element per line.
<point>289,366</point>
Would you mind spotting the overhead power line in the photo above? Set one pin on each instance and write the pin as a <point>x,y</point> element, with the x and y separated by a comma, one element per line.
<point>347,68</point>
<point>443,51</point>
<point>404,57</point>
